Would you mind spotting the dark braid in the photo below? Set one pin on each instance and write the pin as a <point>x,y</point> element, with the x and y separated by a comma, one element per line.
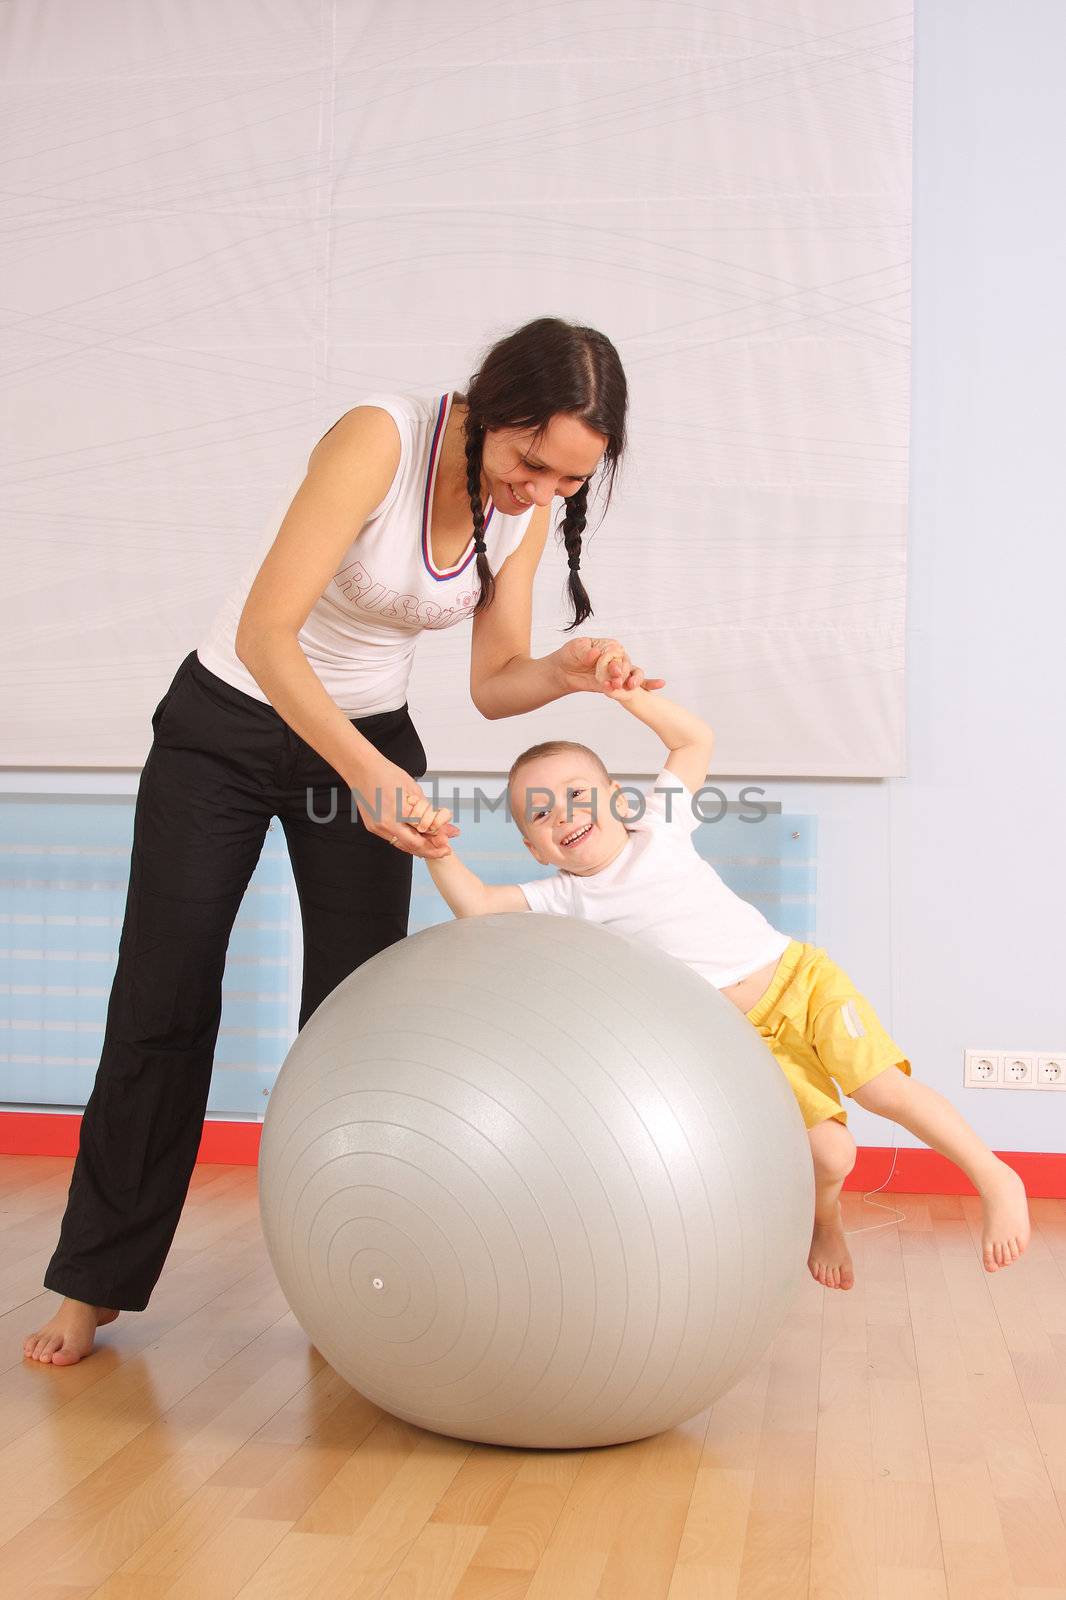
<point>475,433</point>
<point>572,529</point>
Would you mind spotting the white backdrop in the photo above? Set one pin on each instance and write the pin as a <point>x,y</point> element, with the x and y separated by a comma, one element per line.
<point>224,223</point>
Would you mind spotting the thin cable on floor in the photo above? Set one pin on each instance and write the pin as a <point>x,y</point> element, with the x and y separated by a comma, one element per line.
<point>898,1216</point>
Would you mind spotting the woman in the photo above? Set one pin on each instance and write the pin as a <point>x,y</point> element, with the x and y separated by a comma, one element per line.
<point>414,513</point>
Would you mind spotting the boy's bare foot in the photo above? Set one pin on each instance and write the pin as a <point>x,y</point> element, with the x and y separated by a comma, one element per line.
<point>69,1335</point>
<point>1005,1215</point>
<point>830,1258</point>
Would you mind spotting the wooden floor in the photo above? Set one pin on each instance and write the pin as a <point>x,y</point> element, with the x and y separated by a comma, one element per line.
<point>904,1441</point>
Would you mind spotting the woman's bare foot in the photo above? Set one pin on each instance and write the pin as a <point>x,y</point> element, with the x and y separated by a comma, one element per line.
<point>69,1335</point>
<point>830,1258</point>
<point>1005,1215</point>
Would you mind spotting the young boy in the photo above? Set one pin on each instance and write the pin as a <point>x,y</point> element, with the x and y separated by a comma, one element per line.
<point>642,876</point>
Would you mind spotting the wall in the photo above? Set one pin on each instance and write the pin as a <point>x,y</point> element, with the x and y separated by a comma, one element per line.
<point>942,893</point>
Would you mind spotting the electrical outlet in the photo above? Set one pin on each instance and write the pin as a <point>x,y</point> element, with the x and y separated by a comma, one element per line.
<point>1018,1071</point>
<point>1051,1072</point>
<point>1013,1069</point>
<point>981,1069</point>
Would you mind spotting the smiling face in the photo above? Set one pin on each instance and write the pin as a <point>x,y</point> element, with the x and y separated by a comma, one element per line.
<point>562,805</point>
<point>522,473</point>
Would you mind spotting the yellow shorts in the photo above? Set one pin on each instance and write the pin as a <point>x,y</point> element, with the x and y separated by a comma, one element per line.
<point>820,1027</point>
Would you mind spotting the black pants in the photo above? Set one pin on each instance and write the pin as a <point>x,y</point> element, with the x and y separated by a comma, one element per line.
<point>221,765</point>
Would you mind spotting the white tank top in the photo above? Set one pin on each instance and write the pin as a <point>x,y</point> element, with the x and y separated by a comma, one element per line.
<point>361,633</point>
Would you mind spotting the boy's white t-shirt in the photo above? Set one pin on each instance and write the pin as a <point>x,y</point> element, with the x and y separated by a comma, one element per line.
<point>360,635</point>
<point>659,888</point>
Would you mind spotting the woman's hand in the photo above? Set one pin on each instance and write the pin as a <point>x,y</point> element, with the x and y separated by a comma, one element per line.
<point>413,826</point>
<point>601,666</point>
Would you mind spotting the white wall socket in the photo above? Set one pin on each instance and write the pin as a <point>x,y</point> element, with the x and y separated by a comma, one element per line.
<point>1013,1069</point>
<point>1017,1071</point>
<point>981,1069</point>
<point>1051,1072</point>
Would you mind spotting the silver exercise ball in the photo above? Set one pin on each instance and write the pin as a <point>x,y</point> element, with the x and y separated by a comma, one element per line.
<point>530,1182</point>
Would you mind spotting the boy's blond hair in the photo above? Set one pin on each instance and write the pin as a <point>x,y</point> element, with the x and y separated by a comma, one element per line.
<point>551,747</point>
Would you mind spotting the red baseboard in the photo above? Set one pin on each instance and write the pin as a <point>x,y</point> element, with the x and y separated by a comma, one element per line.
<point>916,1171</point>
<point>44,1133</point>
<point>920,1171</point>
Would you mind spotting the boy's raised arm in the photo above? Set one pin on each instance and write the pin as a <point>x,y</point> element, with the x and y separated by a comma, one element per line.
<point>688,738</point>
